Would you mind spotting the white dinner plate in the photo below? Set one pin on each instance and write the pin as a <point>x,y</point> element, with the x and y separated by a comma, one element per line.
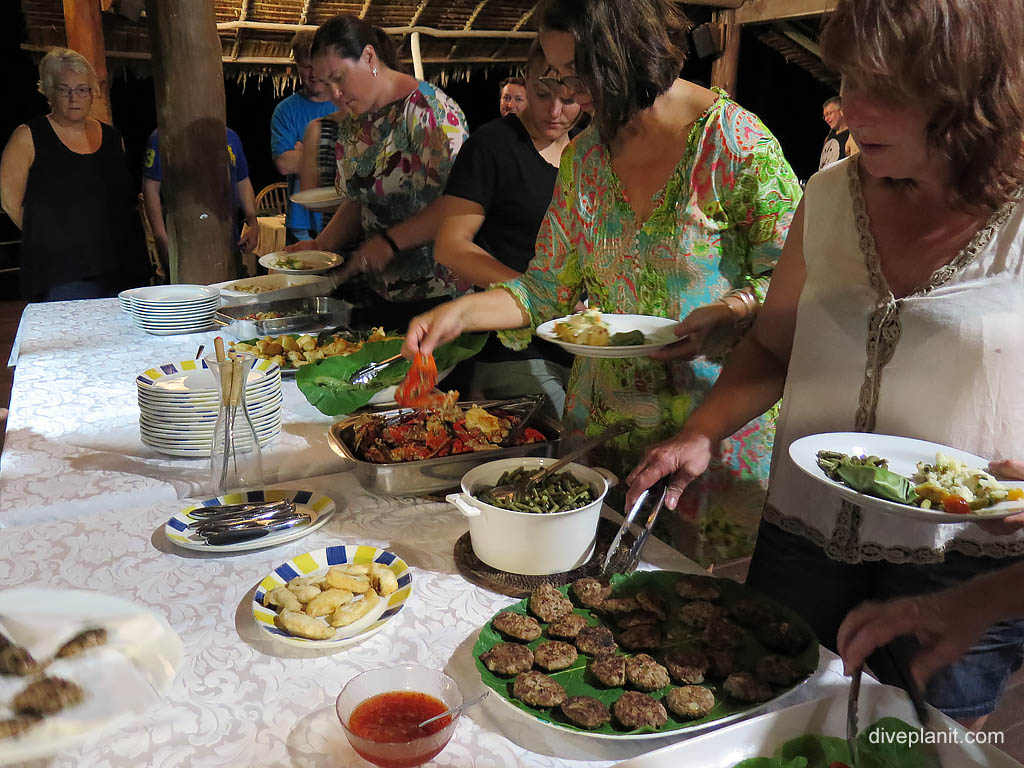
<point>197,452</point>
<point>320,507</point>
<point>657,331</point>
<point>172,294</point>
<point>157,661</point>
<point>193,377</point>
<point>187,438</point>
<point>183,403</point>
<point>903,454</point>
<point>319,561</point>
<point>319,199</point>
<point>162,419</point>
<point>317,262</point>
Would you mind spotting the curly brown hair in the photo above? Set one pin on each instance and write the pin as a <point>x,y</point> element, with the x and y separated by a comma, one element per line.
<point>963,61</point>
<point>628,52</point>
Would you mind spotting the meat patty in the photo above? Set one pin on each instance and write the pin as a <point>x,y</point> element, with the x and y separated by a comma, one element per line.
<point>653,602</point>
<point>638,710</point>
<point>698,588</point>
<point>686,665</point>
<point>691,702</point>
<point>508,659</point>
<point>83,641</point>
<point>548,604</point>
<point>636,618</point>
<point>554,655</point>
<point>585,711</point>
<point>538,690</point>
<point>779,670</point>
<point>591,592</point>
<point>743,686</point>
<point>15,660</point>
<point>645,674</point>
<point>616,605</point>
<point>644,637</point>
<point>751,613</point>
<point>567,628</point>
<point>784,637</point>
<point>17,725</point>
<point>47,696</point>
<point>518,626</point>
<point>698,613</point>
<point>722,662</point>
<point>720,633</point>
<point>609,670</point>
<point>596,641</point>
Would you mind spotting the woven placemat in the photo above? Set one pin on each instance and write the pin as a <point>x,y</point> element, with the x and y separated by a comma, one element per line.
<point>517,585</point>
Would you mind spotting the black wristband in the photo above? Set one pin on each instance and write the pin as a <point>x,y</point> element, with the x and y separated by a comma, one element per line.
<point>387,239</point>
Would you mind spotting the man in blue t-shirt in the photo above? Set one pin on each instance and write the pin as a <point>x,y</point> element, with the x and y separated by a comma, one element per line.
<point>288,126</point>
<point>243,196</point>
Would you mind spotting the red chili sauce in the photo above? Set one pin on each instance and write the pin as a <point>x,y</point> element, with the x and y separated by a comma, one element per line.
<point>395,716</point>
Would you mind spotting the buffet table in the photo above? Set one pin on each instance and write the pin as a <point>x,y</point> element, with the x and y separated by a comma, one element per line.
<point>242,698</point>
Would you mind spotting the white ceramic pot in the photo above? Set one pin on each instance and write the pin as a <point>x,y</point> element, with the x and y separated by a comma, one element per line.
<point>526,543</point>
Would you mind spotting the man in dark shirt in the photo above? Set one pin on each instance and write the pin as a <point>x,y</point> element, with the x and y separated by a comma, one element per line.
<point>495,200</point>
<point>839,143</point>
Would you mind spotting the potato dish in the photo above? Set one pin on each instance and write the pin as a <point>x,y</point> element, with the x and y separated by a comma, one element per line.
<point>588,328</point>
<point>291,352</point>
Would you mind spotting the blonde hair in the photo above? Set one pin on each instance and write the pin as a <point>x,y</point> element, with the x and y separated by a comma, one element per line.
<point>57,59</point>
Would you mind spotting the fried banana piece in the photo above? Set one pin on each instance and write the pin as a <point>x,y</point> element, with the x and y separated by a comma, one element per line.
<point>282,597</point>
<point>352,569</point>
<point>315,580</point>
<point>339,579</point>
<point>304,592</point>
<point>17,725</point>
<point>352,612</point>
<point>47,696</point>
<point>383,579</point>
<point>83,641</point>
<point>15,660</point>
<point>301,625</point>
<point>327,602</point>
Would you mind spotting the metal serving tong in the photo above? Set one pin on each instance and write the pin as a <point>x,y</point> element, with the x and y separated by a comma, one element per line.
<point>657,492</point>
<point>223,512</point>
<point>364,374</point>
<point>852,706</point>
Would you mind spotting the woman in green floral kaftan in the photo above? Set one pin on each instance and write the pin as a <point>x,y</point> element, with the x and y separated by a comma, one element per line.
<point>714,221</point>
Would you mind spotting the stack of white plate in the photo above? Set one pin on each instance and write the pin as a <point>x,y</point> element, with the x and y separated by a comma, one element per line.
<point>178,404</point>
<point>164,310</point>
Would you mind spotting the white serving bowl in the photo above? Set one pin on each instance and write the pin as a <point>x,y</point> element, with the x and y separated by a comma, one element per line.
<point>527,543</point>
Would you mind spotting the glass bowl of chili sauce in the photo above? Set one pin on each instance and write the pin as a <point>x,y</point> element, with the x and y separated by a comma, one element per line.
<point>381,710</point>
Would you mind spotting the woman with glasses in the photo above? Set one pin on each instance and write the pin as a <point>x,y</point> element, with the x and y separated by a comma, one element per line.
<point>65,183</point>
<point>674,202</point>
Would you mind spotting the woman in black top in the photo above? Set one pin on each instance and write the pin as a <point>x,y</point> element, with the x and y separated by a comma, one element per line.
<point>64,181</point>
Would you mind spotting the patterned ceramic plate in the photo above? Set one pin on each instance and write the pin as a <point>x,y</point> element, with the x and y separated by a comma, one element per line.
<point>657,333</point>
<point>313,262</point>
<point>189,378</point>
<point>319,199</point>
<point>319,506</point>
<point>319,561</point>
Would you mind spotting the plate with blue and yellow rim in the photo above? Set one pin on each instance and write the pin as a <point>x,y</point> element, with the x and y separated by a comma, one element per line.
<point>319,507</point>
<point>317,563</point>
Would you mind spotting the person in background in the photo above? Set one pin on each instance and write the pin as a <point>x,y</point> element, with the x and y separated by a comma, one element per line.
<point>674,202</point>
<point>65,183</point>
<point>495,200</point>
<point>512,99</point>
<point>243,197</point>
<point>839,143</point>
<point>909,252</point>
<point>288,126</point>
<point>394,154</point>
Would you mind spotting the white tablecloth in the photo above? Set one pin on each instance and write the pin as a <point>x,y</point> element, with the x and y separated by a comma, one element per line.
<point>242,699</point>
<point>74,409</point>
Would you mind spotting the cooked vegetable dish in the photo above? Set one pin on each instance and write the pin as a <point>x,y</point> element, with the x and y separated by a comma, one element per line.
<point>559,492</point>
<point>291,351</point>
<point>588,328</point>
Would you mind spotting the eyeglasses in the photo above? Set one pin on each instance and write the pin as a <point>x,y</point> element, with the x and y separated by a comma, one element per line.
<point>565,87</point>
<point>81,91</point>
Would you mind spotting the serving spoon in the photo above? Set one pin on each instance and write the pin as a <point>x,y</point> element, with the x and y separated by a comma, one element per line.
<point>456,710</point>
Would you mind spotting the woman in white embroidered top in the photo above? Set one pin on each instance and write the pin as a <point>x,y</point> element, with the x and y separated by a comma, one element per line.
<point>897,307</point>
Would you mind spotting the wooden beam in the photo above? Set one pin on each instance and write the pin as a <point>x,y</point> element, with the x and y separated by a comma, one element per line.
<point>417,58</point>
<point>799,38</point>
<point>718,3</point>
<point>83,21</point>
<point>725,67</point>
<point>756,11</point>
<point>193,148</point>
<point>267,26</point>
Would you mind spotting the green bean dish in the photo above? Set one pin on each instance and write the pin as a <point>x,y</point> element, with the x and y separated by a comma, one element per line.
<point>554,493</point>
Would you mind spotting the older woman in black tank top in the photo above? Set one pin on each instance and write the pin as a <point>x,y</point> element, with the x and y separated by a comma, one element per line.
<point>64,180</point>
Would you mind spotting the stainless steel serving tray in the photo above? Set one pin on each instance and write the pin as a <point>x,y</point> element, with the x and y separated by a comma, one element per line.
<point>415,478</point>
<point>314,313</point>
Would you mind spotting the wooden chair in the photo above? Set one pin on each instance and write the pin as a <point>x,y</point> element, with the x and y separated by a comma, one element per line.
<point>159,268</point>
<point>272,199</point>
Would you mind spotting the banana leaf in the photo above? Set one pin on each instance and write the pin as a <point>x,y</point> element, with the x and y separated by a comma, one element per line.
<point>878,482</point>
<point>326,383</point>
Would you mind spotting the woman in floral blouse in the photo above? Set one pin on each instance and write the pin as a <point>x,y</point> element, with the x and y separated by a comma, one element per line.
<point>675,202</point>
<point>394,153</point>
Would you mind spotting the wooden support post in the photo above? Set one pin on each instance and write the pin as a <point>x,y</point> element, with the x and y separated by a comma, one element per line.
<point>189,84</point>
<point>417,59</point>
<point>725,67</point>
<point>84,24</point>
